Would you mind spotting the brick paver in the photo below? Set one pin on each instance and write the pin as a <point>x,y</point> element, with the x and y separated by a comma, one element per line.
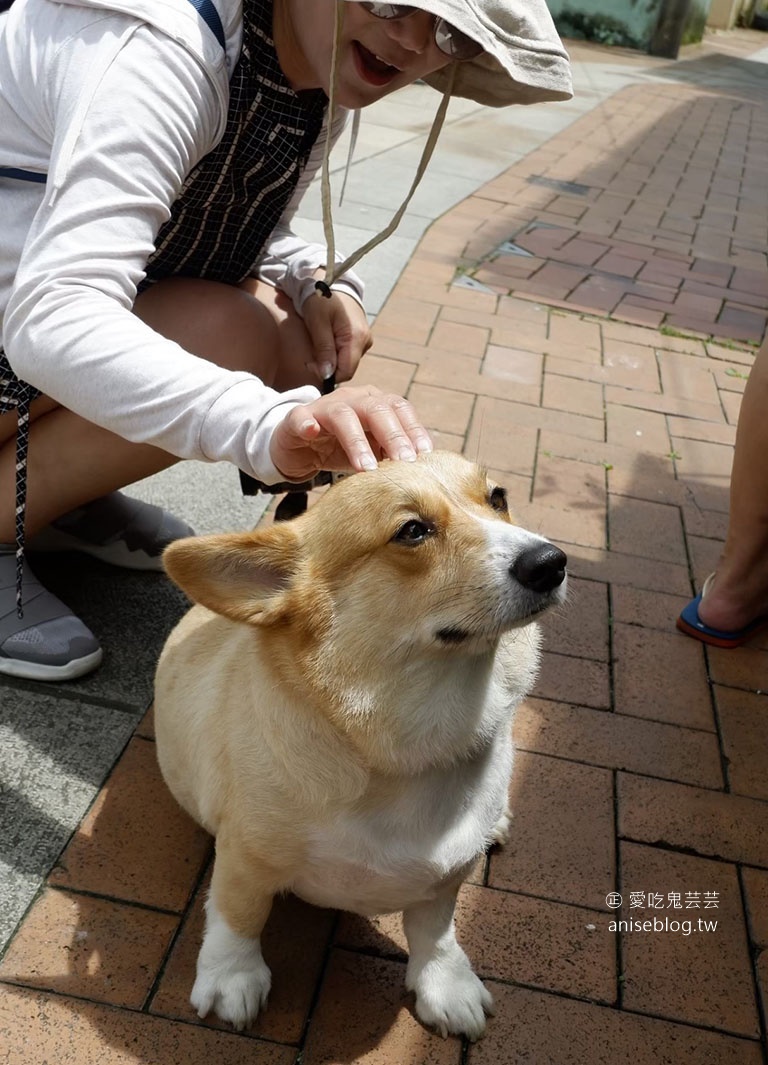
<point>532,1027</point>
<point>673,250</point>
<point>108,855</point>
<point>596,367</point>
<point>696,975</point>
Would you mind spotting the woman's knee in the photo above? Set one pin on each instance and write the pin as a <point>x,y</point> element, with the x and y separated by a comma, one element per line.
<point>296,355</point>
<point>218,322</point>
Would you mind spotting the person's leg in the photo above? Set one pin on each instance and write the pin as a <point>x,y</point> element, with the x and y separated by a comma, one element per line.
<point>71,461</point>
<point>295,365</point>
<point>739,593</point>
<point>252,327</point>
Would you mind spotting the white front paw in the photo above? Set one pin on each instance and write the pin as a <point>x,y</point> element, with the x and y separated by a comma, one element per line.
<point>450,997</point>
<point>502,828</point>
<point>235,989</point>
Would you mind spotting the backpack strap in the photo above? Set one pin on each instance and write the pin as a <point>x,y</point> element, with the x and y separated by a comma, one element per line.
<point>23,175</point>
<point>206,10</point>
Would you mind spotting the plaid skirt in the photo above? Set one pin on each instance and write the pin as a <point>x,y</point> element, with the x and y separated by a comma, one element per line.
<point>17,395</point>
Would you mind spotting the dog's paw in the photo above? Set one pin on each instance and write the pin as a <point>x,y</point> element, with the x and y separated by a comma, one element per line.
<point>502,828</point>
<point>451,998</point>
<point>234,991</point>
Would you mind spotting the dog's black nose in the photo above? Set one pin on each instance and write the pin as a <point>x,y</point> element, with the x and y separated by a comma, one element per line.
<point>540,568</point>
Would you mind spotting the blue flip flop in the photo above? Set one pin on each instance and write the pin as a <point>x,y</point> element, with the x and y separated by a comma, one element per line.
<point>691,624</point>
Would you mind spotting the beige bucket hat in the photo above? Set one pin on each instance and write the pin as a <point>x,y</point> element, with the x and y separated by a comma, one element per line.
<point>523,60</point>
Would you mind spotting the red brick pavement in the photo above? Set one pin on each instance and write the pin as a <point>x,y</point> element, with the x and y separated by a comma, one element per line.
<point>652,209</point>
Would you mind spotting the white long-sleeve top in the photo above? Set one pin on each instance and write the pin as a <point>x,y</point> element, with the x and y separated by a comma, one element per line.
<point>116,101</point>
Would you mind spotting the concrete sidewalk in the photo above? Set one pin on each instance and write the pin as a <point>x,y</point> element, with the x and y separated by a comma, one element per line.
<point>574,300</point>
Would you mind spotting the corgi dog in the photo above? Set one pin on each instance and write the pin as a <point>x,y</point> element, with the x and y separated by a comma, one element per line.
<point>337,709</point>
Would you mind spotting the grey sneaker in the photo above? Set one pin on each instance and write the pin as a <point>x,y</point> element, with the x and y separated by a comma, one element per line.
<point>49,642</point>
<point>116,529</point>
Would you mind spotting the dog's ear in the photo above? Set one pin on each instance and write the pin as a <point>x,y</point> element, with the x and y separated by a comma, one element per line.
<point>240,575</point>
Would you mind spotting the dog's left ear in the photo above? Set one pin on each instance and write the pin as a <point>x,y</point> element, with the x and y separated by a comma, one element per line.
<point>240,575</point>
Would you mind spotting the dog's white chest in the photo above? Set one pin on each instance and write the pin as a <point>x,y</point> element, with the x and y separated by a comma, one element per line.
<point>401,852</point>
<point>340,884</point>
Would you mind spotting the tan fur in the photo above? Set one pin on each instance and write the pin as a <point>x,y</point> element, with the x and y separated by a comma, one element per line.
<point>308,716</point>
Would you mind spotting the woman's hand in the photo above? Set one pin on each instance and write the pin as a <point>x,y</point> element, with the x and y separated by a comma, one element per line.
<point>339,331</point>
<point>350,428</point>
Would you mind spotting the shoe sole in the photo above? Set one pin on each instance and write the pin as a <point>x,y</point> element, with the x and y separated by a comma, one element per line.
<point>718,641</point>
<point>51,540</point>
<point>17,667</point>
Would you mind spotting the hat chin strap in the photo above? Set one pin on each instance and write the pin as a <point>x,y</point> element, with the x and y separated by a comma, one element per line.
<point>333,269</point>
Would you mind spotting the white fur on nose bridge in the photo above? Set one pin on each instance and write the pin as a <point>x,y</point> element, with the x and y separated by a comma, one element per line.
<point>504,540</point>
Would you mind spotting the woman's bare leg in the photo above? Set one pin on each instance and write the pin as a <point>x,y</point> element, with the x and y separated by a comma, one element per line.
<point>296,365</point>
<point>739,594</point>
<point>72,461</point>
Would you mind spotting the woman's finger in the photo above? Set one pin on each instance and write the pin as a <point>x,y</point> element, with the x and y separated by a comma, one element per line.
<point>354,415</point>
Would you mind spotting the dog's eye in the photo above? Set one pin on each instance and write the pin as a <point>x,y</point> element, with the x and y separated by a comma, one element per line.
<point>498,500</point>
<point>413,532</point>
